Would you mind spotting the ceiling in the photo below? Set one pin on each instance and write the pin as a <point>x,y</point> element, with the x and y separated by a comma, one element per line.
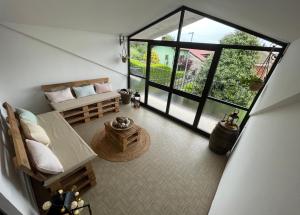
<point>167,25</point>
<point>275,18</point>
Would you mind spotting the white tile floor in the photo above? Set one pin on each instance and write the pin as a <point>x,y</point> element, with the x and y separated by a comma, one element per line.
<point>206,123</point>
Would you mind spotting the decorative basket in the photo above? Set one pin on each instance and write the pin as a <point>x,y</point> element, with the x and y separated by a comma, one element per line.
<point>125,95</point>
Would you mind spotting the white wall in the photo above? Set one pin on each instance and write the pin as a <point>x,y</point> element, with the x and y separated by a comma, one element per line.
<point>27,63</point>
<point>15,196</point>
<point>263,173</point>
<point>102,49</point>
<point>31,56</point>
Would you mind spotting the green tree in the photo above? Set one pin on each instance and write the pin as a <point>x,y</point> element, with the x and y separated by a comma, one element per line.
<point>235,65</point>
<point>138,50</point>
<point>154,57</point>
<point>168,38</point>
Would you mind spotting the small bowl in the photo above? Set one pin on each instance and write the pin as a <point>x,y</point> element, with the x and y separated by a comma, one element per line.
<point>122,129</point>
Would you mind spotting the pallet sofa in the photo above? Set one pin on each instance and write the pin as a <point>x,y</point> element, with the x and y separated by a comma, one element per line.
<point>74,154</point>
<point>84,109</point>
<point>71,150</point>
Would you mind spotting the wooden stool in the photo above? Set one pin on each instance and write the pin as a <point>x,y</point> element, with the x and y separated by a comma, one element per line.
<point>123,138</point>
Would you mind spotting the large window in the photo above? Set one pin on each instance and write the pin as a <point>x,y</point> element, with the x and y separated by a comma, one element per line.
<point>161,64</point>
<point>138,57</point>
<point>192,69</point>
<point>200,67</point>
<point>161,30</point>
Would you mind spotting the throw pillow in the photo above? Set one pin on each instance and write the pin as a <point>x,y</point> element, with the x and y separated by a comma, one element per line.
<point>83,91</point>
<point>27,115</point>
<point>35,132</point>
<point>60,95</point>
<point>103,88</point>
<point>43,158</point>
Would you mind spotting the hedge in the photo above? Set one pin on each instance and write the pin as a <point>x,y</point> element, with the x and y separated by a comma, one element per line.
<point>159,73</point>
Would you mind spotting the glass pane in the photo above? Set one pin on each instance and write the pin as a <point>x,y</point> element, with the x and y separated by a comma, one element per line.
<point>200,29</point>
<point>162,60</point>
<point>138,57</point>
<point>161,30</point>
<point>192,69</point>
<point>157,98</point>
<point>213,112</point>
<point>138,84</point>
<point>183,108</point>
<point>236,70</point>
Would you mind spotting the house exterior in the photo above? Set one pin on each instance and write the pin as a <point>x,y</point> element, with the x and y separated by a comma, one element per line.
<point>194,57</point>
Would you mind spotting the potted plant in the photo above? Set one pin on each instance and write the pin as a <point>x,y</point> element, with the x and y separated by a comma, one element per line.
<point>255,83</point>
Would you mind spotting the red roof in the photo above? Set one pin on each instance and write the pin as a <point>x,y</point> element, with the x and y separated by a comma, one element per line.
<point>201,54</point>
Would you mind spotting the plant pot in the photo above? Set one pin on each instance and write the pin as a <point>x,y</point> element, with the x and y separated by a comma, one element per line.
<point>125,96</point>
<point>124,59</point>
<point>256,85</point>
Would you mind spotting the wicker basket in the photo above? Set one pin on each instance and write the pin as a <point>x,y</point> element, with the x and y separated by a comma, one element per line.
<point>125,95</point>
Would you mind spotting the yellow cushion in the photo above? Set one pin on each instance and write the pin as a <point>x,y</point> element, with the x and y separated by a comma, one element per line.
<point>35,132</point>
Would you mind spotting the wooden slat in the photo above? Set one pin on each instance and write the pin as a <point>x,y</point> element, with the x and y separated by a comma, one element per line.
<point>107,104</point>
<point>100,109</point>
<point>82,118</point>
<point>21,159</point>
<point>74,113</point>
<point>86,113</point>
<point>51,87</point>
<point>108,109</point>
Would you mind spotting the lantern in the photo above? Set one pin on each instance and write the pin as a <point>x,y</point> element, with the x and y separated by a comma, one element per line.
<point>65,202</point>
<point>231,119</point>
<point>136,100</point>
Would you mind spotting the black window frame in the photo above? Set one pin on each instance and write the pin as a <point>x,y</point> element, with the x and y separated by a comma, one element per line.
<point>217,48</point>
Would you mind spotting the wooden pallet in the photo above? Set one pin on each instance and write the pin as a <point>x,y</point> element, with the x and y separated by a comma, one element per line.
<point>124,138</point>
<point>83,178</point>
<point>88,112</point>
<point>92,111</point>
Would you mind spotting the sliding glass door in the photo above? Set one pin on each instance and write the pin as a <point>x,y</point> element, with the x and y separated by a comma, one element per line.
<point>175,80</point>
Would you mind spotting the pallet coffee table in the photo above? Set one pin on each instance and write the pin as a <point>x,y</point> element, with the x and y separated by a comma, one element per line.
<point>123,138</point>
<point>120,146</point>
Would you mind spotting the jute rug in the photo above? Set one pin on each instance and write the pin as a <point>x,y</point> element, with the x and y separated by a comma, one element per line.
<point>107,150</point>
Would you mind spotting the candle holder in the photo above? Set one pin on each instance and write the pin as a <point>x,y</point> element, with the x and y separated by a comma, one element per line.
<point>66,203</point>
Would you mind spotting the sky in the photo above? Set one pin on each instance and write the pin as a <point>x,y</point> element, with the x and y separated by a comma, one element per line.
<point>207,31</point>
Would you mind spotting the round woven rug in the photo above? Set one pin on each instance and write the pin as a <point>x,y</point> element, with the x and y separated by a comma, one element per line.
<point>107,150</point>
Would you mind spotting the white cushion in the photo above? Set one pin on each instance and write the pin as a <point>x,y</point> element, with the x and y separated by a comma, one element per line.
<point>60,95</point>
<point>35,132</point>
<point>43,158</point>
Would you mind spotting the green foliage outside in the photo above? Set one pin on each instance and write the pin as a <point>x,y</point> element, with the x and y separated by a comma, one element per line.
<point>168,38</point>
<point>235,69</point>
<point>188,88</point>
<point>154,57</point>
<point>159,73</point>
<point>138,50</point>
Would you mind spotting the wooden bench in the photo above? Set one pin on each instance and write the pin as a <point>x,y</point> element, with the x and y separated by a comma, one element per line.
<point>84,109</point>
<point>82,177</point>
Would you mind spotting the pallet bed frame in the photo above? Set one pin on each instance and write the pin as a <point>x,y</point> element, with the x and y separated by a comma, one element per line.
<point>89,112</point>
<point>83,177</point>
